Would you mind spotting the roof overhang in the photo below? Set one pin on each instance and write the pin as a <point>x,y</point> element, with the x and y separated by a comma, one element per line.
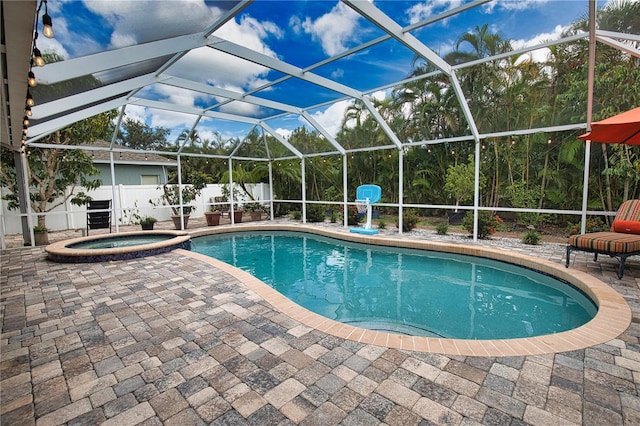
<point>16,23</point>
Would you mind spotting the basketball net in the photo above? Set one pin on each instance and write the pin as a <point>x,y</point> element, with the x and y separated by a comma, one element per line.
<point>362,205</point>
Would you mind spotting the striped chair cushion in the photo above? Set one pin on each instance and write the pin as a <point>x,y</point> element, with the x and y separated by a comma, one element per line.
<point>607,242</point>
<point>628,218</point>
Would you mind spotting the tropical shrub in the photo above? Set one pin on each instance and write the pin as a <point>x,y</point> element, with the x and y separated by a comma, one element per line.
<point>353,217</point>
<point>531,237</point>
<point>315,213</point>
<point>442,228</point>
<point>593,225</point>
<point>488,223</point>
<point>522,196</point>
<point>409,220</point>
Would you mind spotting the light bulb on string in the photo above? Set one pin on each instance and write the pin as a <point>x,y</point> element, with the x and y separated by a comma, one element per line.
<point>37,57</point>
<point>30,101</point>
<point>25,120</point>
<point>27,111</point>
<point>32,79</point>
<point>47,25</point>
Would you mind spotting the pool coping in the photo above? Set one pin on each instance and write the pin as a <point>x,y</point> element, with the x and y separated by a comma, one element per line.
<point>61,252</point>
<point>612,319</point>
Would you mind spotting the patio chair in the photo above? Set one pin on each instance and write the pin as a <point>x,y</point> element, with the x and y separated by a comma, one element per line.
<point>100,219</point>
<point>622,241</point>
<point>221,204</point>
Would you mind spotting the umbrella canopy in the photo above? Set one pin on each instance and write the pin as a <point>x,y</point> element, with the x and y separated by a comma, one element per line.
<point>621,128</point>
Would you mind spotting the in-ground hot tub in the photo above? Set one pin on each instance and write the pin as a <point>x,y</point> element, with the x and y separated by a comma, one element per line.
<point>128,245</point>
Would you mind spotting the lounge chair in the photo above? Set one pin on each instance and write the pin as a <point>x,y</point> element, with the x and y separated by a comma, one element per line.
<point>99,219</point>
<point>622,241</point>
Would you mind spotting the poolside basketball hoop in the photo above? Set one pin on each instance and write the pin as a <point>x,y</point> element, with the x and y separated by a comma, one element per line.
<point>361,206</point>
<point>366,196</point>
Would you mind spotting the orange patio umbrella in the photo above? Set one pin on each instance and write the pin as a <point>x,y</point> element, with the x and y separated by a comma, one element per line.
<point>621,128</point>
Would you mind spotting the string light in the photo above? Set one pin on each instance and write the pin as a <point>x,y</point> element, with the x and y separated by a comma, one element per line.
<point>47,24</point>
<point>32,79</point>
<point>37,57</point>
<point>36,60</point>
<point>30,101</point>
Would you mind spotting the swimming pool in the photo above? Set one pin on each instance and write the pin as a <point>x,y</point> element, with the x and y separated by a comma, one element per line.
<point>121,246</point>
<point>412,292</point>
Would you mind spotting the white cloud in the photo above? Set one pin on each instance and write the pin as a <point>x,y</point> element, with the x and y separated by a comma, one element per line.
<point>331,117</point>
<point>142,21</point>
<point>336,74</point>
<point>135,22</point>
<point>334,29</point>
<point>174,121</point>
<point>136,112</point>
<point>539,55</point>
<point>513,5</point>
<point>424,10</point>
<point>240,108</point>
<point>179,96</point>
<point>379,95</point>
<point>285,133</point>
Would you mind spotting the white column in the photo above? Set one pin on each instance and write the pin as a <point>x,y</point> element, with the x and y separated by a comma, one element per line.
<point>345,181</point>
<point>304,192</point>
<point>400,188</point>
<point>271,188</point>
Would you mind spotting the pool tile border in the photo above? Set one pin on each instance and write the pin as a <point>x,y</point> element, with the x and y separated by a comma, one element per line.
<point>612,319</point>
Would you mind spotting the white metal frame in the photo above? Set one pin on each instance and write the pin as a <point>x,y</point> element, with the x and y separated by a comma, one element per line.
<point>101,99</point>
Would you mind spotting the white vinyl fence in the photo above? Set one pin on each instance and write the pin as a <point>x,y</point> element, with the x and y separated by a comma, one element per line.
<point>125,198</point>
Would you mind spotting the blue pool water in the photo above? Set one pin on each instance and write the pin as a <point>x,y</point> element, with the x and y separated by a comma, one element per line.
<point>404,291</point>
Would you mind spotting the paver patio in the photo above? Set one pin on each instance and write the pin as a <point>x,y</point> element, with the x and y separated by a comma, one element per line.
<point>170,340</point>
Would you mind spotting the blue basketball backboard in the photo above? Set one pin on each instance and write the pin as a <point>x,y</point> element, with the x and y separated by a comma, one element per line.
<point>372,192</point>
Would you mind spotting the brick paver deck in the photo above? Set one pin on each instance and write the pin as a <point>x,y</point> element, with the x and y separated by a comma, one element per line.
<point>171,340</point>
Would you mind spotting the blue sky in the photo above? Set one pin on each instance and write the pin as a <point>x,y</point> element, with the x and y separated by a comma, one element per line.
<point>298,32</point>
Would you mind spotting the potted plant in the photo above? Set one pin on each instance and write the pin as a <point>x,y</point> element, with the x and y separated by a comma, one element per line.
<point>171,196</point>
<point>255,209</point>
<point>41,235</point>
<point>237,216</point>
<point>147,223</point>
<point>213,217</point>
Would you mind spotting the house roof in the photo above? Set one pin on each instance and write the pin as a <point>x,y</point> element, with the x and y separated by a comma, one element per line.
<point>123,155</point>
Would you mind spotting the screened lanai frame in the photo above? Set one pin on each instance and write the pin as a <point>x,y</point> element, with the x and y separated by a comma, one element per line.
<point>147,64</point>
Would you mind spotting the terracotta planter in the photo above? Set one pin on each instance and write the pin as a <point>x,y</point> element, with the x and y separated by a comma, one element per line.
<point>149,226</point>
<point>237,216</point>
<point>41,238</point>
<point>176,221</point>
<point>256,215</point>
<point>213,218</point>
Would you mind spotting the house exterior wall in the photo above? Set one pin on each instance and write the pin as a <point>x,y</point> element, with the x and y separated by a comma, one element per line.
<point>131,174</point>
